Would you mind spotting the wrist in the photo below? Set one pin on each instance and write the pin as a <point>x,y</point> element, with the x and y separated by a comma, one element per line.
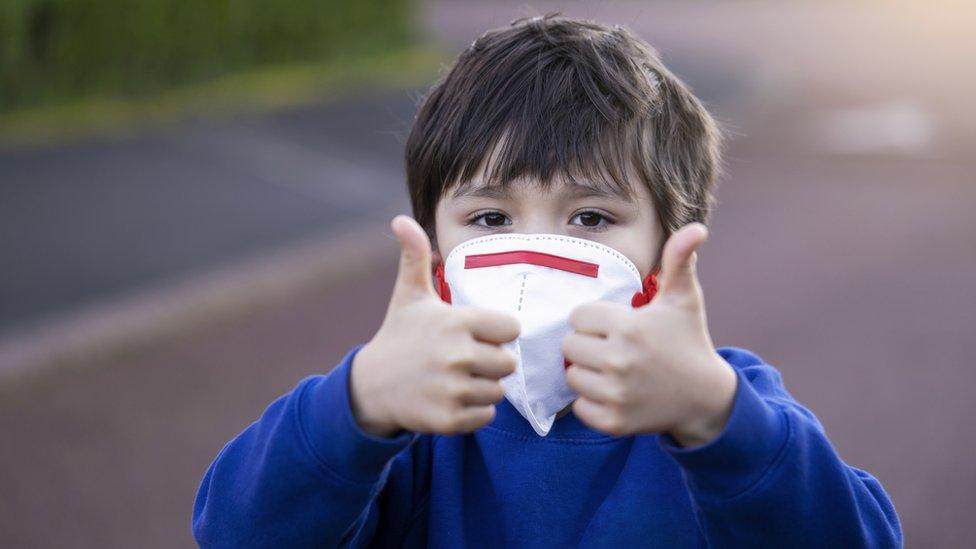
<point>367,410</point>
<point>709,413</point>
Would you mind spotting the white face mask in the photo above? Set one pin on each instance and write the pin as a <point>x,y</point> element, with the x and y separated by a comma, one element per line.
<point>540,278</point>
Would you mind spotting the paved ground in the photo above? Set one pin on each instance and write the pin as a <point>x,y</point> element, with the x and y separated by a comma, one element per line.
<point>111,456</point>
<point>97,219</point>
<point>849,268</point>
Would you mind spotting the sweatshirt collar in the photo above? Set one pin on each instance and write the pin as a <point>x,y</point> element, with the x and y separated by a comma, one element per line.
<point>568,427</point>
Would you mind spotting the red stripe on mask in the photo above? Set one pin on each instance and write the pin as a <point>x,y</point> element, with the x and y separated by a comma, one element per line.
<point>584,268</point>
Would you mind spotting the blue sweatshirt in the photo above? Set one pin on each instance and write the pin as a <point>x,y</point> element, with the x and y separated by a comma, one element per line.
<point>305,475</point>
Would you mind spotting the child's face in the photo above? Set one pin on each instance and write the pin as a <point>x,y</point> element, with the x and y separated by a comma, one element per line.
<point>597,213</point>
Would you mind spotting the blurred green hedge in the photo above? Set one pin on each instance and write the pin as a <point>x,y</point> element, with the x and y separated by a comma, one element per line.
<point>62,49</point>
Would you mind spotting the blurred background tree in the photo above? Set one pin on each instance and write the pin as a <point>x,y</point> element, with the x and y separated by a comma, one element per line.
<point>53,50</point>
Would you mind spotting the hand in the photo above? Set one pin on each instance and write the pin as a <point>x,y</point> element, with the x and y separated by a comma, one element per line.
<point>431,367</point>
<point>652,369</point>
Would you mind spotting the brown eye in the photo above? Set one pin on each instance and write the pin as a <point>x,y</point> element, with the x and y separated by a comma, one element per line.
<point>491,219</point>
<point>494,219</point>
<point>589,219</point>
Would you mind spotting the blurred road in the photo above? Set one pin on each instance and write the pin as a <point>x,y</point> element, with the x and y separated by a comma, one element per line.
<point>109,217</point>
<point>842,252</point>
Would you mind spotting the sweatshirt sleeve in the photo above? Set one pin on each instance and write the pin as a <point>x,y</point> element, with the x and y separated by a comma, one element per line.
<point>772,478</point>
<point>304,474</point>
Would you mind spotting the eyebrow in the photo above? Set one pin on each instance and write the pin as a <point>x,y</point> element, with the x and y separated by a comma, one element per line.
<point>474,190</point>
<point>575,190</point>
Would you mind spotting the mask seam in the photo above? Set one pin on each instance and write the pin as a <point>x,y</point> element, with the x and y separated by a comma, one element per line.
<point>521,292</point>
<point>523,386</point>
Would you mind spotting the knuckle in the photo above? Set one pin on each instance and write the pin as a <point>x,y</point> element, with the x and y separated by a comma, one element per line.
<point>617,396</point>
<point>461,359</point>
<point>629,330</point>
<point>617,362</point>
<point>460,392</point>
<point>441,391</point>
<point>442,356</point>
<point>464,394</point>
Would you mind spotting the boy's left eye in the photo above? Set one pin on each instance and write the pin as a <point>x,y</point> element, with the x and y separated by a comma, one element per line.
<point>589,219</point>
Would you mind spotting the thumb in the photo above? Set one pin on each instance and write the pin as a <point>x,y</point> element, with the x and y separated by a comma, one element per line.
<point>679,257</point>
<point>413,276</point>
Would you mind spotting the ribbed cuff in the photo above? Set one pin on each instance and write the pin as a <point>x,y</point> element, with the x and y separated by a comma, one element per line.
<point>336,439</point>
<point>741,454</point>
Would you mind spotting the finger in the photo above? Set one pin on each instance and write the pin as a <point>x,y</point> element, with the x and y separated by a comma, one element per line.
<point>584,350</point>
<point>591,385</point>
<point>679,257</point>
<point>492,362</point>
<point>598,317</point>
<point>490,326</point>
<point>599,416</point>
<point>482,392</point>
<point>413,276</point>
<point>472,418</point>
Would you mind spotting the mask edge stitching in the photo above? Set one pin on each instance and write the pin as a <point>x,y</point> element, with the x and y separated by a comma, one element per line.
<point>583,241</point>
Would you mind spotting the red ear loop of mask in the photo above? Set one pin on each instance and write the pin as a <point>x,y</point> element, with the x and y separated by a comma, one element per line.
<point>641,298</point>
<point>443,290</point>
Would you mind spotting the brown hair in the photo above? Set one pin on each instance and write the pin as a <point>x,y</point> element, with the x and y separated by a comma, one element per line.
<point>569,98</point>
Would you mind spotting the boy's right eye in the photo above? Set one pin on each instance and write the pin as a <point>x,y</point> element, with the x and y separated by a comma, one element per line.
<point>490,219</point>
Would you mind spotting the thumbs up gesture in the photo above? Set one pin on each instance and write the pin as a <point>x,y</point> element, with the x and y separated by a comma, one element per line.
<point>431,367</point>
<point>652,369</point>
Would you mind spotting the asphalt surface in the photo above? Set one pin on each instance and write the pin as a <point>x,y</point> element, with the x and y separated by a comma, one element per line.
<point>850,270</point>
<point>110,217</point>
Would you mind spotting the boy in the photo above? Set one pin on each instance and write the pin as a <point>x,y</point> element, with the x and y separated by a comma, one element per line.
<point>438,431</point>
